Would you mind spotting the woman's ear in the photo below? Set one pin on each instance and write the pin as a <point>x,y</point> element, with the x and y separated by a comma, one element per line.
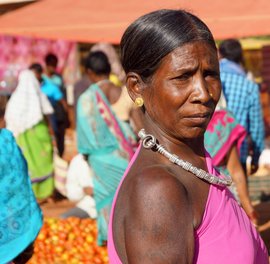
<point>134,85</point>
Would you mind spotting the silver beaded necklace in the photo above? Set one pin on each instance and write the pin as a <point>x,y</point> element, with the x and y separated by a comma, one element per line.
<point>149,142</point>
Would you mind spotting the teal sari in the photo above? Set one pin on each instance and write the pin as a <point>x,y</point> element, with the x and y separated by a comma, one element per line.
<point>20,215</point>
<point>107,142</point>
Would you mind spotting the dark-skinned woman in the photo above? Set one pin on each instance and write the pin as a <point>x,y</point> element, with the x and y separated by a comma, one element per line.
<point>172,205</point>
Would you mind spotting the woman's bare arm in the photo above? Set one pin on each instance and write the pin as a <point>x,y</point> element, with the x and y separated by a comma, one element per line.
<point>24,256</point>
<point>159,227</point>
<point>236,171</point>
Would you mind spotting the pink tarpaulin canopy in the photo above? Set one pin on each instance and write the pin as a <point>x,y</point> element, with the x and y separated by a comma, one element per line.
<point>105,20</point>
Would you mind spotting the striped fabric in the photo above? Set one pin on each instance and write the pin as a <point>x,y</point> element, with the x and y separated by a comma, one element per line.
<point>243,100</point>
<point>60,174</point>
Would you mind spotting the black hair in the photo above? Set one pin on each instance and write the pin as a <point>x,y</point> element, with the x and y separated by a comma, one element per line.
<point>36,67</point>
<point>98,62</point>
<point>151,37</point>
<point>51,60</point>
<point>231,49</point>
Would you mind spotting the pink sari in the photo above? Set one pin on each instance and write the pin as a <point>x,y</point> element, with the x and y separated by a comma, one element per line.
<point>222,132</point>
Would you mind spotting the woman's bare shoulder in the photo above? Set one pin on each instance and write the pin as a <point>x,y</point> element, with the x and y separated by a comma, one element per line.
<point>154,180</point>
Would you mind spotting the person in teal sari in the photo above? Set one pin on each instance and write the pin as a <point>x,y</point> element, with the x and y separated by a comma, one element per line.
<point>20,215</point>
<point>102,137</point>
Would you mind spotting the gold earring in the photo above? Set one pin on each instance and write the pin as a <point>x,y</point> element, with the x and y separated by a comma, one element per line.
<point>139,102</point>
<point>211,95</point>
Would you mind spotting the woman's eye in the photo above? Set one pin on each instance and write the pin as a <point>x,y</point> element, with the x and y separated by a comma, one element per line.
<point>213,74</point>
<point>183,77</point>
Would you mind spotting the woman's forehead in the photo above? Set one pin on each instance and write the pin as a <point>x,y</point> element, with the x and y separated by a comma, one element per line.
<point>190,54</point>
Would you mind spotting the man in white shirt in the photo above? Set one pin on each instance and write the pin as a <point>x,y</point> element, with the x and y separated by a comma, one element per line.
<point>79,186</point>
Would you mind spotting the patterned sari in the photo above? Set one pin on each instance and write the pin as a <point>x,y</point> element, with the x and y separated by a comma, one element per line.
<point>21,217</point>
<point>108,143</point>
<point>222,133</point>
<point>37,148</point>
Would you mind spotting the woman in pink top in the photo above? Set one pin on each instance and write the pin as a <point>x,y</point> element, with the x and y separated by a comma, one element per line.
<point>172,206</point>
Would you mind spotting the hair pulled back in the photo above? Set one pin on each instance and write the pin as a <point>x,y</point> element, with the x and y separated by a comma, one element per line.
<point>98,62</point>
<point>152,36</point>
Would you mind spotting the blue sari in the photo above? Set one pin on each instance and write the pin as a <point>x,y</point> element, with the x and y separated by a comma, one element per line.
<point>107,142</point>
<point>20,215</point>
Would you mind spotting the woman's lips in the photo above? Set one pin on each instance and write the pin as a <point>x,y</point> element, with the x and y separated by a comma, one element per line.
<point>199,118</point>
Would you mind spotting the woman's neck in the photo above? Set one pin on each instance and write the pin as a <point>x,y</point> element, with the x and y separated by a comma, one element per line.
<point>176,145</point>
<point>49,74</point>
<point>100,78</point>
<point>101,82</point>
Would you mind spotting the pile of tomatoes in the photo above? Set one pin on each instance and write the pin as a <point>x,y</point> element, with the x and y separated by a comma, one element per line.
<point>68,241</point>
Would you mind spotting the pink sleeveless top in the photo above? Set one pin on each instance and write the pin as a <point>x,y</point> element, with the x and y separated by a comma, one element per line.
<point>225,236</point>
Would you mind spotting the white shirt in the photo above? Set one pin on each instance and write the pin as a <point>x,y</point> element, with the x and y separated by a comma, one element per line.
<point>79,176</point>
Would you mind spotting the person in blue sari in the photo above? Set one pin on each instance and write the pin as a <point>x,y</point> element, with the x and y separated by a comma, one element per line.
<point>20,215</point>
<point>102,137</point>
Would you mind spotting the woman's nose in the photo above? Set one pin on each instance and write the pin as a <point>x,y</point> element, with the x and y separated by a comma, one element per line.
<point>200,92</point>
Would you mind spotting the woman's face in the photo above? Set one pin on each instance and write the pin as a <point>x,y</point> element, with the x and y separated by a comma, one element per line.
<point>184,91</point>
